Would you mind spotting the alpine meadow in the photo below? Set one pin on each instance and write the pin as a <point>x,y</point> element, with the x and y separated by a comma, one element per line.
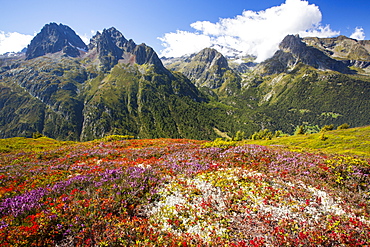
<point>107,144</point>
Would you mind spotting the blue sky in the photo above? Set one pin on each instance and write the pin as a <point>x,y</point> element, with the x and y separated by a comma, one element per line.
<point>181,20</point>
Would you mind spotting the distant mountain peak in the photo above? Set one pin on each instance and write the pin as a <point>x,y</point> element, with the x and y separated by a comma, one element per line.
<point>55,38</point>
<point>292,50</point>
<point>292,43</point>
<point>207,68</point>
<point>211,56</point>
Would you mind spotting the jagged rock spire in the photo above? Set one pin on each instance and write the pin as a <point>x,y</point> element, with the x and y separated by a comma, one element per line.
<point>111,46</point>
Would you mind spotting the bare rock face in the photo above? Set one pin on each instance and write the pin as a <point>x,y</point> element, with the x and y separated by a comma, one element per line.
<point>55,38</point>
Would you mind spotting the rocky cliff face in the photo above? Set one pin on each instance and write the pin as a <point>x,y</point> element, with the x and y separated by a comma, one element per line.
<point>145,54</point>
<point>55,38</point>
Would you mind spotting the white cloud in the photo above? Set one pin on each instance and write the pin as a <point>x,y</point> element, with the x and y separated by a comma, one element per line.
<point>256,33</point>
<point>183,42</point>
<point>13,42</point>
<point>359,34</point>
<point>85,38</point>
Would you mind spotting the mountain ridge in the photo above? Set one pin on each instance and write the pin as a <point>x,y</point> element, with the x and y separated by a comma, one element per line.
<point>114,86</point>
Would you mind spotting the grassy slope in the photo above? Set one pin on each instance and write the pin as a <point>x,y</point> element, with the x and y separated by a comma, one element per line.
<point>30,145</point>
<point>355,141</point>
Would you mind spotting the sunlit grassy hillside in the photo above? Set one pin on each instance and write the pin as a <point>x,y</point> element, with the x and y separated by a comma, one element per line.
<point>355,141</point>
<point>30,144</point>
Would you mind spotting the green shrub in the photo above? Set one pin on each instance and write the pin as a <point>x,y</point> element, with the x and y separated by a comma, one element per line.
<point>300,130</point>
<point>262,135</point>
<point>239,136</point>
<point>112,138</point>
<point>278,133</point>
<point>343,126</point>
<point>327,128</point>
<point>311,129</point>
<point>220,143</point>
<point>37,135</point>
<point>323,137</point>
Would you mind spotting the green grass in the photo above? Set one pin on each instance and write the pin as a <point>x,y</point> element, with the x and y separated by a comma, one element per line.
<point>23,144</point>
<point>353,141</point>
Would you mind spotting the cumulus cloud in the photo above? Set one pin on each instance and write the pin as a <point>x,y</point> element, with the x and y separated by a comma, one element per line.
<point>13,42</point>
<point>359,34</point>
<point>256,33</point>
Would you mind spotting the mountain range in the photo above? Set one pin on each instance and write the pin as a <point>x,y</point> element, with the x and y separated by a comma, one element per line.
<point>68,90</point>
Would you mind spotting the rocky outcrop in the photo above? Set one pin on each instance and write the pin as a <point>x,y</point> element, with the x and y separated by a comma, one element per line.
<point>55,38</point>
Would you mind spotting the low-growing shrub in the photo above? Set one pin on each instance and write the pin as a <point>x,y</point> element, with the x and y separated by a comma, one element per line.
<point>112,138</point>
<point>263,135</point>
<point>323,137</point>
<point>220,143</point>
<point>327,128</point>
<point>343,126</point>
<point>300,130</point>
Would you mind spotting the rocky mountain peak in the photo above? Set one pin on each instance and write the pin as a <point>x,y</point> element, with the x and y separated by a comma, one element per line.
<point>107,39</point>
<point>55,38</point>
<point>211,57</point>
<point>145,54</point>
<point>293,44</point>
<point>111,46</point>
